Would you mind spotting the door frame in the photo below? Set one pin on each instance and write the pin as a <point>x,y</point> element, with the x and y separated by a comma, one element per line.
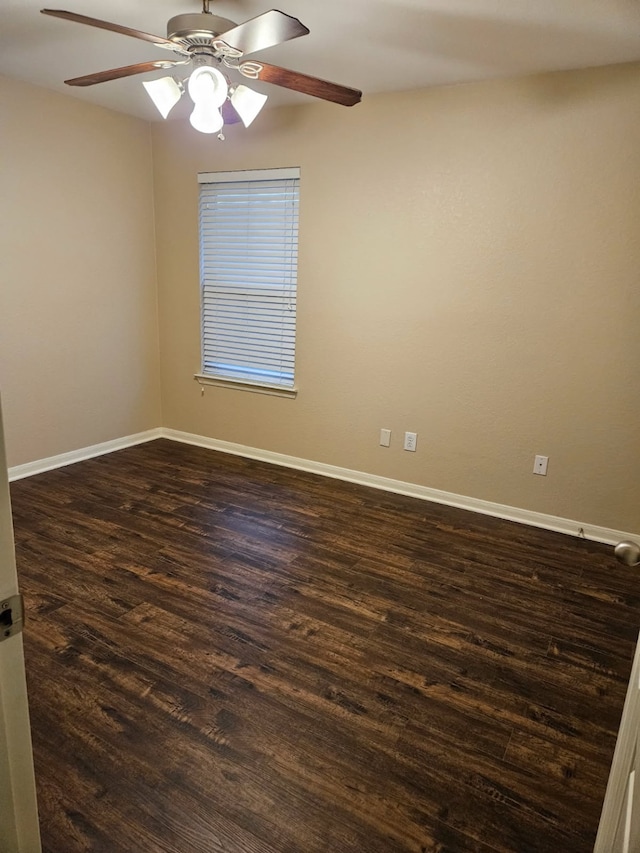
<point>19,828</point>
<point>619,798</point>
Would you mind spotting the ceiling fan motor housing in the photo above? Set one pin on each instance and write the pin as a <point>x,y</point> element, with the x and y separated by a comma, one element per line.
<point>197,28</point>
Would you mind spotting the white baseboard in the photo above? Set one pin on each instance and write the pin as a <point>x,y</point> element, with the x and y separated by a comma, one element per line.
<point>17,472</point>
<point>509,513</point>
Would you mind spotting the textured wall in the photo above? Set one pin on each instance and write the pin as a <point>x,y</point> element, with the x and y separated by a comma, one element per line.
<point>468,270</point>
<point>78,303</point>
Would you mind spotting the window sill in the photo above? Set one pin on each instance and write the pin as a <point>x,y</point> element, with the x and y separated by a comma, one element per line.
<point>272,390</point>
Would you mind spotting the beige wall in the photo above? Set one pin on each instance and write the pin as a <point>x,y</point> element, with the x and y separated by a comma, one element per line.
<point>469,270</point>
<point>78,304</point>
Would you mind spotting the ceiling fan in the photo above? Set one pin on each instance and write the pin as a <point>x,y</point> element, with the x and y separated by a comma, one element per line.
<point>208,46</point>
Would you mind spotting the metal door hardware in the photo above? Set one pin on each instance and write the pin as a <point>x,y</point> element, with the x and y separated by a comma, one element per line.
<point>628,553</point>
<point>11,616</point>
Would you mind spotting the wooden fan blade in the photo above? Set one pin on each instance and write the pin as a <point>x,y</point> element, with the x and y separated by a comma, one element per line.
<point>266,30</point>
<point>158,41</point>
<point>125,71</point>
<point>300,83</point>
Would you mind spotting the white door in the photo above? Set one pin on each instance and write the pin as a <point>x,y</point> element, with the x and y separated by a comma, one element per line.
<point>19,832</point>
<point>619,830</point>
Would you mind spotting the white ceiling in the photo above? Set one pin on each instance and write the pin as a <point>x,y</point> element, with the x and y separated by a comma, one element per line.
<point>373,45</point>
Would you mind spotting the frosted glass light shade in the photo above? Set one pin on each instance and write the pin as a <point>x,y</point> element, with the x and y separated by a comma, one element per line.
<point>208,84</point>
<point>206,119</point>
<point>208,90</point>
<point>164,92</point>
<point>247,103</point>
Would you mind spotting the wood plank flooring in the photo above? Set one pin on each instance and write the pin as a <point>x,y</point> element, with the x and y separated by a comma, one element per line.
<point>225,656</point>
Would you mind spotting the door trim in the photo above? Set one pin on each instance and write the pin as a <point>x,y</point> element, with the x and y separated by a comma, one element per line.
<point>615,805</point>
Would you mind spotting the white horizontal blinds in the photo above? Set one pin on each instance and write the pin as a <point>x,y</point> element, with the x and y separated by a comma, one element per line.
<point>249,261</point>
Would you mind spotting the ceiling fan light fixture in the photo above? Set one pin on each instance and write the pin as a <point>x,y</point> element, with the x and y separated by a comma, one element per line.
<point>247,103</point>
<point>204,40</point>
<point>165,92</point>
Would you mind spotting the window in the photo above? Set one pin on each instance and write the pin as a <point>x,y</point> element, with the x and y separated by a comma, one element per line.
<point>248,273</point>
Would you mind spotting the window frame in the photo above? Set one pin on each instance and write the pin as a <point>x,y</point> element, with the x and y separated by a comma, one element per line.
<point>290,281</point>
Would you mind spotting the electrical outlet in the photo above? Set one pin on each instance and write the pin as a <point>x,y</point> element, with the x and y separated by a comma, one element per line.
<point>385,437</point>
<point>540,465</point>
<point>410,440</point>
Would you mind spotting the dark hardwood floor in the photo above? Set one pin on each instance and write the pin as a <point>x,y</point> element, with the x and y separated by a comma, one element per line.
<point>224,655</point>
